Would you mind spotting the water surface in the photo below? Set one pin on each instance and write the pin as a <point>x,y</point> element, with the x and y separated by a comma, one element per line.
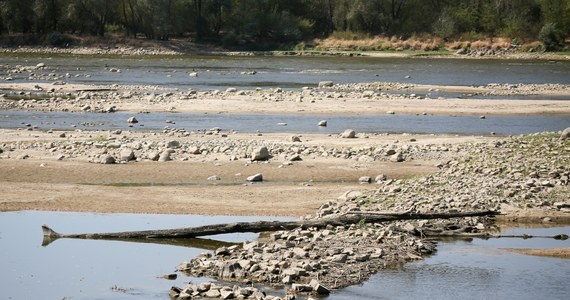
<point>269,123</point>
<point>95,269</point>
<point>220,72</point>
<point>98,269</point>
<point>478,269</point>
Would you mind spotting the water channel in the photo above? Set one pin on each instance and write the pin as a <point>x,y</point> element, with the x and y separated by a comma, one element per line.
<point>220,72</point>
<point>429,124</point>
<point>87,269</point>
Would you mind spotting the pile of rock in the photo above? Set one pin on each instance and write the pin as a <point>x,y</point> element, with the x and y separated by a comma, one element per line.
<point>518,173</point>
<point>336,256</point>
<point>212,290</point>
<point>176,144</point>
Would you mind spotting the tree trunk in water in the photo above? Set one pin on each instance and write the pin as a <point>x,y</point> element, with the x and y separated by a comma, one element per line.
<point>263,226</point>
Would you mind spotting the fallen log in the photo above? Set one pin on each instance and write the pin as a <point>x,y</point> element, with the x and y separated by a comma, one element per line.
<point>485,235</point>
<point>263,226</point>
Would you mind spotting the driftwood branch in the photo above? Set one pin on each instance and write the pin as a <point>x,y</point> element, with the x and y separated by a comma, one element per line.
<point>485,235</point>
<point>262,226</point>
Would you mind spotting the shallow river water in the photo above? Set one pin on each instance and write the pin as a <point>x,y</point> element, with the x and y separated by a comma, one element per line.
<point>220,72</point>
<point>432,124</point>
<point>87,269</point>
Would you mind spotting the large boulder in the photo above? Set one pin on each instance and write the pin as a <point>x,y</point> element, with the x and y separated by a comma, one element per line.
<point>348,134</point>
<point>107,160</point>
<point>255,178</point>
<point>127,154</point>
<point>261,153</point>
<point>165,155</point>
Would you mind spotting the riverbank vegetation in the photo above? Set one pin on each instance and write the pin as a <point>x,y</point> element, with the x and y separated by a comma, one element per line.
<point>528,25</point>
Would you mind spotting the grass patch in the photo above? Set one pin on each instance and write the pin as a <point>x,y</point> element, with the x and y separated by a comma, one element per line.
<point>99,139</point>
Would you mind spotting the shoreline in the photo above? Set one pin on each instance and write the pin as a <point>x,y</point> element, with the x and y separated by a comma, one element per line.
<point>159,50</point>
<point>378,98</point>
<point>311,176</point>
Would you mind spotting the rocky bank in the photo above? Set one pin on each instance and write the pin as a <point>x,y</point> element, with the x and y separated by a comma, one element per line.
<point>522,176</point>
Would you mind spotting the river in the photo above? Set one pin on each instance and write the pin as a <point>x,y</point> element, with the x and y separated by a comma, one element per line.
<point>87,269</point>
<point>81,269</point>
<point>271,123</point>
<point>220,72</point>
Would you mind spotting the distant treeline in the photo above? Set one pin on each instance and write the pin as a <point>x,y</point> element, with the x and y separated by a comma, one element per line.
<point>242,22</point>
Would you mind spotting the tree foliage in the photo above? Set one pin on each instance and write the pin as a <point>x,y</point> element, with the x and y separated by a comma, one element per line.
<point>240,22</point>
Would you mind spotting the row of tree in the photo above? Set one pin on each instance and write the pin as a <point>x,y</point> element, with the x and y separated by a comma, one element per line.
<point>283,21</point>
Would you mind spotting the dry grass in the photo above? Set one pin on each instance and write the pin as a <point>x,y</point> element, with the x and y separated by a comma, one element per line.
<point>347,42</point>
<point>381,43</point>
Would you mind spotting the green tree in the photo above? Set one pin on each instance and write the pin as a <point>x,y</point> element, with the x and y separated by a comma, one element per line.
<point>18,15</point>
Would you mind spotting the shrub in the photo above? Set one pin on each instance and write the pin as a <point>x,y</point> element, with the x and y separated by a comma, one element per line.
<point>533,47</point>
<point>57,39</point>
<point>550,36</point>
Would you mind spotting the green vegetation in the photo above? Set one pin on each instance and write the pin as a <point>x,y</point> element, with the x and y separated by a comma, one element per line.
<point>268,24</point>
<point>99,139</point>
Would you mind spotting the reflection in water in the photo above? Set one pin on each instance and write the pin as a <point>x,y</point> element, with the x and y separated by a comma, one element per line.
<point>100,269</point>
<point>198,243</point>
<point>88,269</point>
<point>477,269</point>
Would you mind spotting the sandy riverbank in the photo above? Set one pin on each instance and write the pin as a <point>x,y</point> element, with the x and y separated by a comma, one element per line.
<point>364,99</point>
<point>56,179</point>
<point>310,175</point>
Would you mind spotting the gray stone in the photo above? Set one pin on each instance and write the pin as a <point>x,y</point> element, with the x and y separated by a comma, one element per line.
<point>204,287</point>
<point>222,251</point>
<point>153,156</point>
<point>339,258</point>
<point>301,288</point>
<point>173,144</point>
<point>365,179</point>
<point>261,153</point>
<point>348,134</point>
<point>231,270</point>
<point>322,123</point>
<point>319,288</point>
<point>300,253</point>
<point>132,120</point>
<point>212,294</point>
<point>288,279</point>
<point>107,160</point>
<point>174,292</point>
<point>224,294</point>
<point>565,134</point>
<point>295,139</point>
<point>398,157</point>
<point>326,83</point>
<point>295,157</point>
<point>165,156</point>
<point>194,150</point>
<point>255,178</point>
<point>381,177</point>
<point>127,154</point>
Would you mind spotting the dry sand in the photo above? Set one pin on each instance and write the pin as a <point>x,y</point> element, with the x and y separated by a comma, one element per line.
<point>43,183</point>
